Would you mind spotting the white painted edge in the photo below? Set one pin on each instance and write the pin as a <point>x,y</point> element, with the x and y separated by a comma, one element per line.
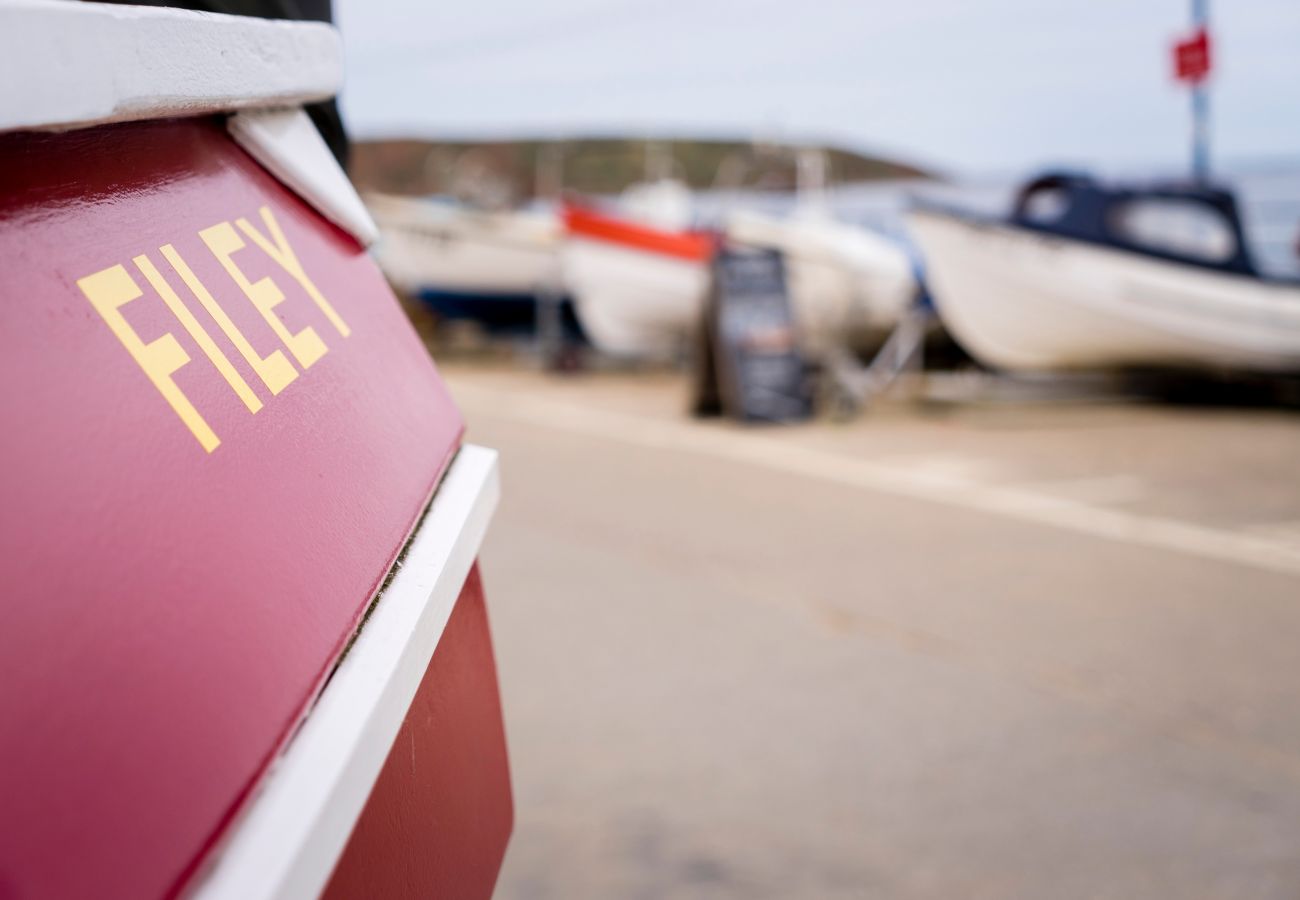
<point>69,65</point>
<point>295,829</point>
<point>288,146</point>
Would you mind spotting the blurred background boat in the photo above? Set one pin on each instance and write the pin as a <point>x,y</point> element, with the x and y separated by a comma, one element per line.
<point>455,237</point>
<point>463,262</point>
<point>638,275</point>
<point>1082,275</point>
<point>848,284</point>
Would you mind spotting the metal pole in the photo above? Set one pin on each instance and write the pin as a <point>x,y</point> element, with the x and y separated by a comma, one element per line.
<point>1200,106</point>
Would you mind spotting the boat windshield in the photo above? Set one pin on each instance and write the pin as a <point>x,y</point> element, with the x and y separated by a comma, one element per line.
<point>1176,227</point>
<point>1046,205</point>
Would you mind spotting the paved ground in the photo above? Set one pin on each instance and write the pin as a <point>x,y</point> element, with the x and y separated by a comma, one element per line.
<point>991,650</point>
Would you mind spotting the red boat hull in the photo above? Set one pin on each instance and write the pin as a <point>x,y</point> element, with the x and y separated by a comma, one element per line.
<point>220,431</point>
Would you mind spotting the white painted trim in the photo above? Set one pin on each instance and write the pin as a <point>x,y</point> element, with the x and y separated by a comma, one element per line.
<point>288,145</point>
<point>69,65</point>
<point>297,826</point>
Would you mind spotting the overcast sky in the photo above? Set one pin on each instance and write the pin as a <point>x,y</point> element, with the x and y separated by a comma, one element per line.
<point>975,85</point>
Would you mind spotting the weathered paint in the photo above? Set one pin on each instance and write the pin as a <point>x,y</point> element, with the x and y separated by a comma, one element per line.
<point>438,818</point>
<point>175,593</point>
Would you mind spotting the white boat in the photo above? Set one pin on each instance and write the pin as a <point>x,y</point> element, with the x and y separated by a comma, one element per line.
<point>639,279</point>
<point>468,262</point>
<point>848,286</point>
<point>1086,277</point>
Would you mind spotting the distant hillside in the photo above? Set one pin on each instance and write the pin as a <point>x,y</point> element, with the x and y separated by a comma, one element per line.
<point>514,170</point>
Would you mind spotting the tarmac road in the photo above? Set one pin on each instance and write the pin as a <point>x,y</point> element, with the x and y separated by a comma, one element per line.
<point>1004,650</point>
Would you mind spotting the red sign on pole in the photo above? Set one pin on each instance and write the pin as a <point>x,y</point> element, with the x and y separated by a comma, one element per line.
<point>1192,57</point>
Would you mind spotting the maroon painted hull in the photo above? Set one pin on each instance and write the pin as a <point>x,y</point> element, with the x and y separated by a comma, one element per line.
<point>219,432</point>
<point>437,821</point>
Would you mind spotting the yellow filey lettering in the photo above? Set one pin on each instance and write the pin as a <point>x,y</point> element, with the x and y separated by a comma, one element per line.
<point>108,291</point>
<point>275,371</point>
<point>306,346</point>
<point>198,332</point>
<point>277,247</point>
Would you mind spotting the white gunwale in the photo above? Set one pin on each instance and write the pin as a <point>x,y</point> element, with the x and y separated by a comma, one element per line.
<point>83,64</point>
<point>287,841</point>
<point>86,64</point>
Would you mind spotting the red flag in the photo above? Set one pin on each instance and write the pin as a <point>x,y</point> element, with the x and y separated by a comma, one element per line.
<point>1192,57</point>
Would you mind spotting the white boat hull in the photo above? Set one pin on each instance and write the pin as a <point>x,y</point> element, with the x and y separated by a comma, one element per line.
<point>423,247</point>
<point>1025,301</point>
<point>634,302</point>
<point>847,286</point>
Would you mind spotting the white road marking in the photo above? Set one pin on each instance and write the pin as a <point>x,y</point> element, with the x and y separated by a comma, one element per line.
<point>1287,533</point>
<point>1104,490</point>
<point>951,488</point>
<point>930,465</point>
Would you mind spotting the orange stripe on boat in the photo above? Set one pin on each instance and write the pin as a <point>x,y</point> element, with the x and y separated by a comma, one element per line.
<point>692,245</point>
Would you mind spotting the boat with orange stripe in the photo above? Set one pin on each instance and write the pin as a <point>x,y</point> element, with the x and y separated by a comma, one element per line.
<point>638,277</point>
